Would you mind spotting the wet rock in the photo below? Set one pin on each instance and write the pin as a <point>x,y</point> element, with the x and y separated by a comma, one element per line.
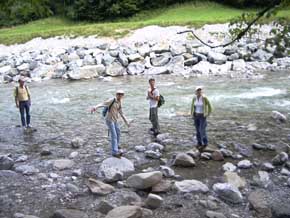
<point>135,68</point>
<point>115,69</point>
<point>262,179</point>
<point>105,207</point>
<point>276,115</point>
<point>267,167</point>
<point>69,213</point>
<point>153,201</point>
<point>183,160</point>
<point>144,180</point>
<point>260,205</point>
<point>167,171</point>
<point>285,172</point>
<point>153,154</point>
<point>229,167</point>
<point>259,146</point>
<point>217,156</point>
<point>228,192</point>
<point>114,169</point>
<point>155,147</point>
<point>100,188</point>
<point>125,212</point>
<point>234,179</point>
<point>77,142</point>
<point>26,170</point>
<point>140,148</point>
<point>6,163</point>
<point>280,159</point>
<point>162,187</point>
<point>205,156</point>
<point>245,164</point>
<point>45,152</point>
<point>63,164</point>
<point>226,152</point>
<point>213,214</point>
<point>187,186</point>
<point>216,58</point>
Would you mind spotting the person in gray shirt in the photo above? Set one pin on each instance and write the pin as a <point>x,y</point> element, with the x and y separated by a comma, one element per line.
<point>153,96</point>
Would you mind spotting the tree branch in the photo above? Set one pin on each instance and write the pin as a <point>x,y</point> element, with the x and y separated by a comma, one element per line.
<point>242,33</point>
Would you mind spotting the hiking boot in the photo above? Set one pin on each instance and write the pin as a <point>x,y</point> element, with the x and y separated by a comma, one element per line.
<point>118,155</point>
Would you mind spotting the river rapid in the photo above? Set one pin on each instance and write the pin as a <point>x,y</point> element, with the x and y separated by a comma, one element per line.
<point>61,111</point>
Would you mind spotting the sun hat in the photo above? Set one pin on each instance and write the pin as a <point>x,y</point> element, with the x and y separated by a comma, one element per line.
<point>120,92</point>
<point>198,87</point>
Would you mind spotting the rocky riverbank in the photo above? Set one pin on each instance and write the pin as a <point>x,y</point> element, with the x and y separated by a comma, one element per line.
<point>148,51</point>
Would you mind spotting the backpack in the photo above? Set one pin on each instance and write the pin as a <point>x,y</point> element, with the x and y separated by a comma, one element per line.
<point>161,101</point>
<point>107,109</point>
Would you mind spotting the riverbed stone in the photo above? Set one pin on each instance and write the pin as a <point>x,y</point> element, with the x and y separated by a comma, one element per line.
<point>267,167</point>
<point>105,206</point>
<point>153,154</point>
<point>153,201</point>
<point>99,188</point>
<point>245,164</point>
<point>217,156</point>
<point>285,172</point>
<point>125,212</point>
<point>187,186</point>
<point>135,68</point>
<point>276,115</point>
<point>26,169</point>
<point>144,180</point>
<point>167,171</point>
<point>155,147</point>
<point>226,152</point>
<point>63,164</point>
<point>213,214</point>
<point>183,160</point>
<point>228,192</point>
<point>161,137</point>
<point>281,209</point>
<point>69,213</point>
<point>114,169</point>
<point>259,203</point>
<point>234,179</point>
<point>140,148</point>
<point>280,159</point>
<point>77,142</point>
<point>262,179</point>
<point>7,173</point>
<point>6,163</point>
<point>162,187</point>
<point>229,167</point>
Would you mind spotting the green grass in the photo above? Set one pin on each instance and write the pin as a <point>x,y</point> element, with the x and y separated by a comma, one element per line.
<point>185,14</point>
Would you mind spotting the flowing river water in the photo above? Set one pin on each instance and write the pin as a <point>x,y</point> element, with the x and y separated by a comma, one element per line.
<point>60,112</point>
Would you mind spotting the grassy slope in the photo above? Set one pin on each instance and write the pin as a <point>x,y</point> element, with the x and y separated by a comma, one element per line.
<point>186,14</point>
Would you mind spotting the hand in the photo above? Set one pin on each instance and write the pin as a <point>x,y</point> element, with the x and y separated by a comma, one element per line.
<point>93,110</point>
<point>17,105</point>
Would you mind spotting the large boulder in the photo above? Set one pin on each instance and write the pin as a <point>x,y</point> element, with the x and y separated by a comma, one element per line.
<point>113,169</point>
<point>100,188</point>
<point>228,192</point>
<point>261,55</point>
<point>160,60</point>
<point>123,59</point>
<point>125,212</point>
<point>259,203</point>
<point>69,213</point>
<point>135,68</point>
<point>183,160</point>
<point>87,72</point>
<point>115,69</point>
<point>177,49</point>
<point>144,180</point>
<point>6,163</point>
<point>216,58</point>
<point>187,186</point>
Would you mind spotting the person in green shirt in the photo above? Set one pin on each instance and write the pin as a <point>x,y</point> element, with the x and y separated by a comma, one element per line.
<point>200,110</point>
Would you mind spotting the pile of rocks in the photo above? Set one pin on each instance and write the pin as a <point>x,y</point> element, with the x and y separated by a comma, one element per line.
<point>111,59</point>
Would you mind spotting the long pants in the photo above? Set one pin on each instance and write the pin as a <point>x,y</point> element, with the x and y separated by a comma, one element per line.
<point>200,126</point>
<point>24,108</point>
<point>115,135</point>
<point>153,117</point>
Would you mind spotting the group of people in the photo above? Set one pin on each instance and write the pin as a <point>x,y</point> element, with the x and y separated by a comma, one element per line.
<point>112,110</point>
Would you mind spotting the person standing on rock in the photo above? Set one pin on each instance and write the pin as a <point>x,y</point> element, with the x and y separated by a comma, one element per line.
<point>200,110</point>
<point>153,96</point>
<point>113,108</point>
<point>23,102</point>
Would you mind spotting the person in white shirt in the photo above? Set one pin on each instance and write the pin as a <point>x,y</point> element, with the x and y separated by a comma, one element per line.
<point>153,96</point>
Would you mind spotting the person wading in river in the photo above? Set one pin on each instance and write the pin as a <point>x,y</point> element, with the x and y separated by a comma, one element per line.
<point>153,96</point>
<point>23,102</point>
<point>200,110</point>
<point>113,109</point>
